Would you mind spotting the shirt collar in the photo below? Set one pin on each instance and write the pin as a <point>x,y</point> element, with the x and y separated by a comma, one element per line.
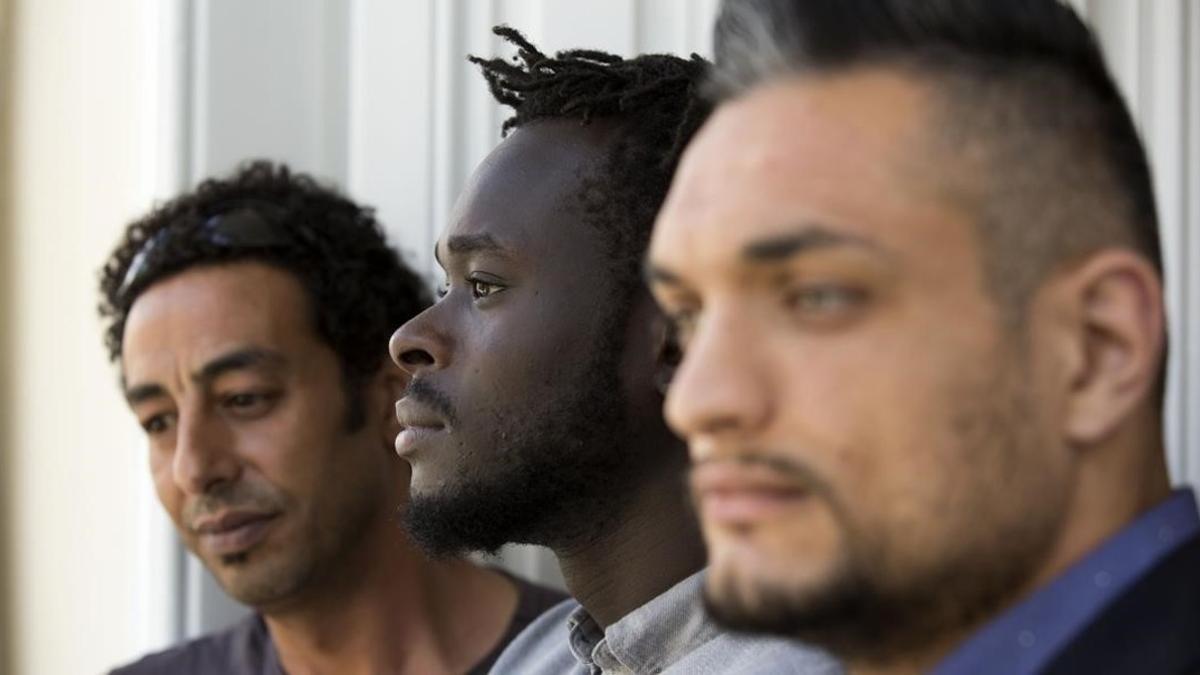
<point>648,639</point>
<point>1027,636</point>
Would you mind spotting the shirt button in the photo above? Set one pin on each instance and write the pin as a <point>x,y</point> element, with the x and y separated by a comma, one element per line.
<point>1026,638</point>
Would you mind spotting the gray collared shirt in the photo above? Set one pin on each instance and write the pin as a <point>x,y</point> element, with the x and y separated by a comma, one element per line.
<point>670,634</point>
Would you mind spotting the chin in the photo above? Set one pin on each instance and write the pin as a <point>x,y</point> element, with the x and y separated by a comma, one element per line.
<point>755,586</point>
<point>261,585</point>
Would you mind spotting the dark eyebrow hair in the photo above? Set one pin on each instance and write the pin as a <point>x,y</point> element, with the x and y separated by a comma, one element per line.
<point>241,359</point>
<point>470,243</point>
<point>773,250</point>
<point>237,360</point>
<point>810,237</point>
<point>143,393</point>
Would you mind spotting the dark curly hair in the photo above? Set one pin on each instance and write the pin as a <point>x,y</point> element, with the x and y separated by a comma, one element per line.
<point>359,288</point>
<point>657,100</point>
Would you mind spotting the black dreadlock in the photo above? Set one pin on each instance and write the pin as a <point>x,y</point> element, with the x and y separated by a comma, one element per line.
<point>657,98</point>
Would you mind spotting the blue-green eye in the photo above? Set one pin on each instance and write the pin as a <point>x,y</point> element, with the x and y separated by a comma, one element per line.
<point>683,325</point>
<point>825,298</point>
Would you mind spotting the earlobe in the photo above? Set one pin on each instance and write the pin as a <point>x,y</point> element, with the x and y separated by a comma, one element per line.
<point>1121,329</point>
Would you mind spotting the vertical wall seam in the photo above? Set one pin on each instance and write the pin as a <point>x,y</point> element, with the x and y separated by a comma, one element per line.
<point>185,168</point>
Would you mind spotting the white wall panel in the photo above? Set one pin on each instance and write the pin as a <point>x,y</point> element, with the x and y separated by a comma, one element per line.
<point>1151,48</point>
<point>270,79</point>
<point>1186,405</point>
<point>391,146</point>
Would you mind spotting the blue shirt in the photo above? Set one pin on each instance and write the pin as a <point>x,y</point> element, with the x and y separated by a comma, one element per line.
<point>1027,637</point>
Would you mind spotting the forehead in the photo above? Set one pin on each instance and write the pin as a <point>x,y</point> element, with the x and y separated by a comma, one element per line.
<point>848,152</point>
<point>526,192</point>
<point>192,317</point>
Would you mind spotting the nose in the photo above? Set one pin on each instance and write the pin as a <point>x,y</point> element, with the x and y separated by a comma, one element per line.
<point>203,458</point>
<point>417,346</point>
<point>720,387</point>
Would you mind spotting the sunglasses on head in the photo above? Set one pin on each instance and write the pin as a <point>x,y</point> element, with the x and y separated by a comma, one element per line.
<point>242,225</point>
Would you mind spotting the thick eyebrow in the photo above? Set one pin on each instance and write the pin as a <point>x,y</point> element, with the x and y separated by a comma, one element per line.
<point>144,392</point>
<point>773,250</point>
<point>472,243</point>
<point>461,244</point>
<point>241,359</point>
<point>810,237</point>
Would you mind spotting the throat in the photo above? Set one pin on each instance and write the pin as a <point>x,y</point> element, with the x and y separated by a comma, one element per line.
<point>653,544</point>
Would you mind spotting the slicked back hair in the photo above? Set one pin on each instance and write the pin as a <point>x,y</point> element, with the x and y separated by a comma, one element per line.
<point>1062,171</point>
<point>1058,170</point>
<point>655,98</point>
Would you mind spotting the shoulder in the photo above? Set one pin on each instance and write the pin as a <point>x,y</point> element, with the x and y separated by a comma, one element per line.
<point>544,645</point>
<point>243,648</point>
<point>742,654</point>
<point>1151,627</point>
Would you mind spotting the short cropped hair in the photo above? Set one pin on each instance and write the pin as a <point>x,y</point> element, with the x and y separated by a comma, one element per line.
<point>357,286</point>
<point>1058,171</point>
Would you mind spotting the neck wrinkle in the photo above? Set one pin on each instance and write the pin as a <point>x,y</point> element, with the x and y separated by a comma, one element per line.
<point>655,544</point>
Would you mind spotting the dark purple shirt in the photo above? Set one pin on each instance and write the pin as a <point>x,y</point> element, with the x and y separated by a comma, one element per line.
<point>246,648</point>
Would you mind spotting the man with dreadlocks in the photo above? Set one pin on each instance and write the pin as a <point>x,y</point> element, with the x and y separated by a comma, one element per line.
<point>533,414</point>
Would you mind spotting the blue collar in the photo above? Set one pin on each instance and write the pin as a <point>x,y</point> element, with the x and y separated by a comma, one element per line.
<point>1026,637</point>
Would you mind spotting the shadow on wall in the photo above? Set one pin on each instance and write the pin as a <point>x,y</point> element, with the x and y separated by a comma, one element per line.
<point>7,285</point>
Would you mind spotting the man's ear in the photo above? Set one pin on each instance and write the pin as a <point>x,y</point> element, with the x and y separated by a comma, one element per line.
<point>1120,335</point>
<point>667,353</point>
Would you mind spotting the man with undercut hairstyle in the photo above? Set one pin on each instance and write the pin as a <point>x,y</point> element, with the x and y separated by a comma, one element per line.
<point>914,267</point>
<point>534,412</point>
<point>249,318</point>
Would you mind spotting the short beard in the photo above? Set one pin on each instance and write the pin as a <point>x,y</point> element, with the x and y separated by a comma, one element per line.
<point>853,617</point>
<point>557,484</point>
<point>871,612</point>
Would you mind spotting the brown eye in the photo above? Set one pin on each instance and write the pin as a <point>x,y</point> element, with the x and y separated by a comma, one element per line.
<point>158,423</point>
<point>249,403</point>
<point>482,289</point>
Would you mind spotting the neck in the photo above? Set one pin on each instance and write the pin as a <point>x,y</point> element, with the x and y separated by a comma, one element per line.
<point>654,544</point>
<point>389,609</point>
<point>1115,482</point>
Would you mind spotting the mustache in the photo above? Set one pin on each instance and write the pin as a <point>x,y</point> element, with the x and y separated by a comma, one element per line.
<point>232,497</point>
<point>424,393</point>
<point>796,471</point>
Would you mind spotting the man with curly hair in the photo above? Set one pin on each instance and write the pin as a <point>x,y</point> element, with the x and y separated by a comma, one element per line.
<point>249,320</point>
